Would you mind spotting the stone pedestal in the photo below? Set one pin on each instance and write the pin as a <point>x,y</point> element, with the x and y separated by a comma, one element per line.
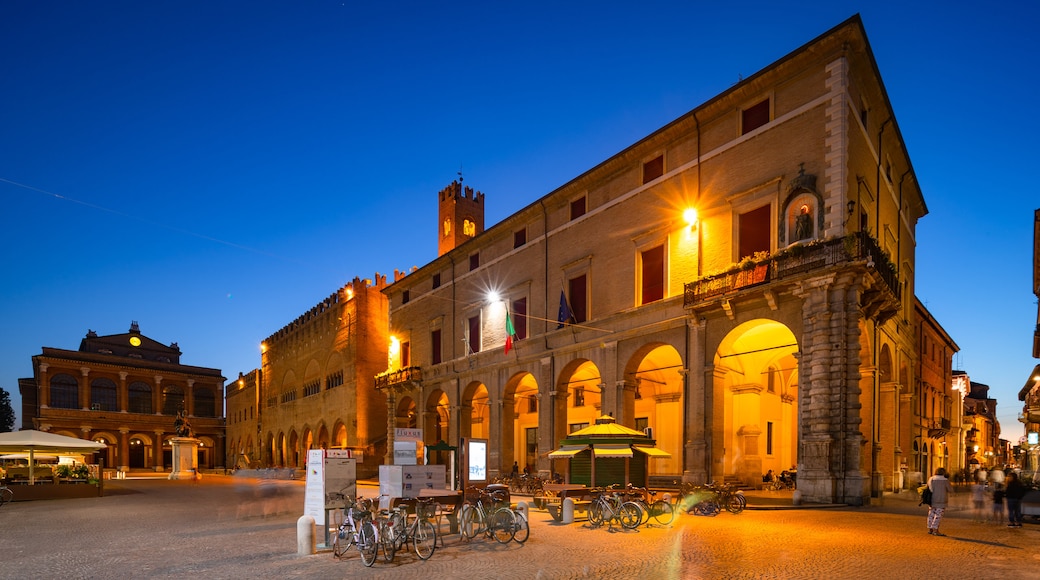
<point>185,458</point>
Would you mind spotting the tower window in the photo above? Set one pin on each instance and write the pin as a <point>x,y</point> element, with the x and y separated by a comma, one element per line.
<point>754,117</point>
<point>474,262</point>
<point>653,169</point>
<point>578,208</point>
<point>519,237</point>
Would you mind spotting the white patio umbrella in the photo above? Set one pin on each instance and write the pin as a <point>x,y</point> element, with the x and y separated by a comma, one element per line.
<point>30,441</point>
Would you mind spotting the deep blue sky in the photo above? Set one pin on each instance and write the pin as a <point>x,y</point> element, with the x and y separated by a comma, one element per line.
<point>214,169</point>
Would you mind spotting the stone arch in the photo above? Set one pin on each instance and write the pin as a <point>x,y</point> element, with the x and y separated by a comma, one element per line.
<point>652,395</point>
<point>581,386</point>
<point>109,453</point>
<point>437,417</point>
<point>476,411</point>
<point>323,436</point>
<point>406,416</point>
<point>293,448</point>
<point>521,404</point>
<point>759,429</point>
<point>340,436</point>
<point>141,451</point>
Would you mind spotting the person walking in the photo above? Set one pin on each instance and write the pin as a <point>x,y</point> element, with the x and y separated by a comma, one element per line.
<point>941,490</point>
<point>998,503</point>
<point>1013,492</point>
<point>978,502</point>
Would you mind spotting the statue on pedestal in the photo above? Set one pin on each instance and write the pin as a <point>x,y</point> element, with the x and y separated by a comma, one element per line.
<point>182,426</point>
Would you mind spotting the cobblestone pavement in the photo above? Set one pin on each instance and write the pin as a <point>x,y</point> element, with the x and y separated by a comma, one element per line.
<point>227,527</point>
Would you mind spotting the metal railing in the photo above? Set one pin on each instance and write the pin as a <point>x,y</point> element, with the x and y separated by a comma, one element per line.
<point>797,260</point>
<point>392,378</point>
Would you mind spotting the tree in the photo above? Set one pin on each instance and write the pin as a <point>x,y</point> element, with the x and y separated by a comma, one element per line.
<point>6,412</point>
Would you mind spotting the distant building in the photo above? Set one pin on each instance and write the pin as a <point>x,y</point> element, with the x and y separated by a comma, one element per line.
<point>982,447</point>
<point>934,406</point>
<point>731,284</point>
<point>314,388</point>
<point>125,390</point>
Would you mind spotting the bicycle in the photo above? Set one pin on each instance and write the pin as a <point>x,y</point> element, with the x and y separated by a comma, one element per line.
<point>698,500</point>
<point>661,511</point>
<point>357,529</point>
<point>6,495</point>
<point>489,520</point>
<point>732,500</point>
<point>421,532</point>
<point>609,506</point>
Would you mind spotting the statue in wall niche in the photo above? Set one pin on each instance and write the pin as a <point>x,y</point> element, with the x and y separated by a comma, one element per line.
<point>803,228</point>
<point>182,426</point>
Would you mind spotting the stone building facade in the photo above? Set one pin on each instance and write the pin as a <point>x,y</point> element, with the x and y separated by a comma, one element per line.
<point>126,390</point>
<point>314,388</point>
<point>728,283</point>
<point>931,430</point>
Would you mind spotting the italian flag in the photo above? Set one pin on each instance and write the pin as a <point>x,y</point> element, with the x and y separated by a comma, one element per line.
<point>510,333</point>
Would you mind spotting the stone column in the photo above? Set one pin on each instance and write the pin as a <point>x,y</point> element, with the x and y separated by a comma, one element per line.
<point>123,461</point>
<point>157,395</point>
<point>696,381</point>
<point>123,395</point>
<point>189,398</point>
<point>84,389</point>
<point>44,387</point>
<point>391,425</point>
<point>157,451</point>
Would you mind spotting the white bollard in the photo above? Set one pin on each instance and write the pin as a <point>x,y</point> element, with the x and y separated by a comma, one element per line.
<point>521,506</point>
<point>568,511</point>
<point>305,540</point>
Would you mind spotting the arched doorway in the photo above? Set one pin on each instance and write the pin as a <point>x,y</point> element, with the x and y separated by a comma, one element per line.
<point>476,415</point>
<point>756,384</point>
<point>653,396</point>
<point>405,416</point>
<point>519,421</point>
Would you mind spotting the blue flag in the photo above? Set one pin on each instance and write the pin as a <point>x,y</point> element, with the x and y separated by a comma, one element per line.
<point>565,316</point>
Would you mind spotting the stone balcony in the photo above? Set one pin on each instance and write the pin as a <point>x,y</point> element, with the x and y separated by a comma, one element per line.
<point>405,378</point>
<point>799,260</point>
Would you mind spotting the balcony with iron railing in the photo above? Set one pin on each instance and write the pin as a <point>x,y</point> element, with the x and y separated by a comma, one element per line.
<point>400,378</point>
<point>796,260</point>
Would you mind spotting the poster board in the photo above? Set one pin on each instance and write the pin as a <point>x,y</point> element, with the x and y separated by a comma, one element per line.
<point>411,480</point>
<point>331,480</point>
<point>474,461</point>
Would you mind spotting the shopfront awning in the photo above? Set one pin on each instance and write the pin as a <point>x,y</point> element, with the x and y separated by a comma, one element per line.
<point>568,451</point>
<point>652,451</point>
<point>612,451</point>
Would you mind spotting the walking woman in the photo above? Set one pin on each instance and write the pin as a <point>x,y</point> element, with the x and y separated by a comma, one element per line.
<point>941,490</point>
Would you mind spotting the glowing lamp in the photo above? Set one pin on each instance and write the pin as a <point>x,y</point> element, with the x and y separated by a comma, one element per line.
<point>690,217</point>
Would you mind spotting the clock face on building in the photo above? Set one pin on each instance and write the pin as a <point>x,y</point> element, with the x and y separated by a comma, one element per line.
<point>134,341</point>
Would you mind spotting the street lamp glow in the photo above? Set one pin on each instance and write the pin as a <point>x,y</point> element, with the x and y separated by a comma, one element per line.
<point>690,217</point>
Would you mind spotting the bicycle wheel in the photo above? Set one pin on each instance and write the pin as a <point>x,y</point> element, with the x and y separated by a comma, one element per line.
<point>387,540</point>
<point>735,503</point>
<point>342,541</point>
<point>6,495</point>
<point>424,539</point>
<point>630,515</point>
<point>521,529</point>
<point>595,512</point>
<point>470,522</point>
<point>397,529</point>
<point>501,525</point>
<point>367,543</point>
<point>662,512</point>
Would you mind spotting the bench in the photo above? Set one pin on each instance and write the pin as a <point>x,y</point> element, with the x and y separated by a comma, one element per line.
<point>553,495</point>
<point>448,503</point>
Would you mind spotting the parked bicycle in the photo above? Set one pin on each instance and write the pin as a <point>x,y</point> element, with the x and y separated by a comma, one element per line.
<point>488,516</point>
<point>661,511</point>
<point>397,531</point>
<point>728,497</point>
<point>610,506</point>
<point>697,500</point>
<point>6,495</point>
<point>358,529</point>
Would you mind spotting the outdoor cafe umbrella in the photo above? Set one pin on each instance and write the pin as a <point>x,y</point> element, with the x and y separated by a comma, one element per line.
<point>30,441</point>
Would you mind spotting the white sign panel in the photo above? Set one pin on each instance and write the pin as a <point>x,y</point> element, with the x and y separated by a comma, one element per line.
<point>477,455</point>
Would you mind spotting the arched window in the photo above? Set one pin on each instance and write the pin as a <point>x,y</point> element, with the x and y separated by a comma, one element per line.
<point>64,392</point>
<point>103,395</point>
<point>204,403</point>
<point>173,400</point>
<point>140,398</point>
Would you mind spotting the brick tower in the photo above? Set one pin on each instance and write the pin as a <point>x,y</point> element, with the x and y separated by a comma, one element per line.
<point>460,212</point>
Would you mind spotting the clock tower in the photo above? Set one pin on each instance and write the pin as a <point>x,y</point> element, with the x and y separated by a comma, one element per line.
<point>460,216</point>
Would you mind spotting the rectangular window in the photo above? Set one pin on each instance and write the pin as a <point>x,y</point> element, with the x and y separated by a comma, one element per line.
<point>474,262</point>
<point>579,298</point>
<point>754,232</point>
<point>532,404</point>
<point>578,208</point>
<point>437,280</point>
<point>769,438</point>
<point>520,318</point>
<point>754,117</point>
<point>474,334</point>
<point>519,238</point>
<point>435,346</point>
<point>405,297</point>
<point>653,274</point>
<point>406,354</point>
<point>532,441</point>
<point>579,397</point>
<point>642,423</point>
<point>577,426</point>
<point>653,169</point>
<point>771,380</point>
